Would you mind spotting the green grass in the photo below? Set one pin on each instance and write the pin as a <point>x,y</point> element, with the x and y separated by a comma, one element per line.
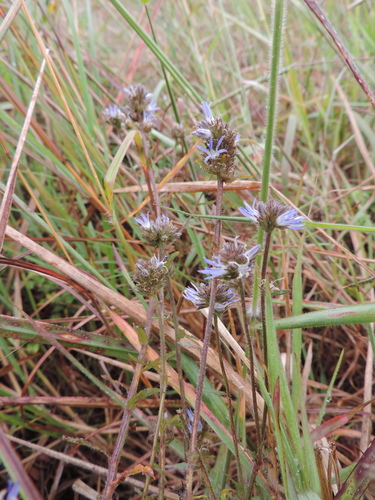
<point>307,137</point>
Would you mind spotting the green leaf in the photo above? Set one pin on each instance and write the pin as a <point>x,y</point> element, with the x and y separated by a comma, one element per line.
<point>347,315</point>
<point>110,176</point>
<point>140,396</point>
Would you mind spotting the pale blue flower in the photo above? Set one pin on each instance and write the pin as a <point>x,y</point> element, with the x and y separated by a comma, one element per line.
<point>217,270</point>
<point>250,212</point>
<point>207,112</point>
<point>144,220</point>
<point>291,220</point>
<point>231,269</point>
<point>212,153</point>
<point>112,111</point>
<point>273,214</point>
<point>13,489</point>
<point>195,296</point>
<point>203,133</point>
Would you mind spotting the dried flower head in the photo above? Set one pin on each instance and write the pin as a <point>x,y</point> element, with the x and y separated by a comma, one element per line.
<point>140,106</point>
<point>219,147</point>
<point>273,214</point>
<point>160,231</point>
<point>200,296</point>
<point>112,114</point>
<point>233,262</point>
<point>150,275</point>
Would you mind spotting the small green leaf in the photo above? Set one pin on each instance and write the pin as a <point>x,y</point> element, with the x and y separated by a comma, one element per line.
<point>132,403</point>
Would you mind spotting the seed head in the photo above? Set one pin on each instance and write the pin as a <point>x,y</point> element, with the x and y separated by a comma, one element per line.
<point>140,106</point>
<point>150,275</point>
<point>200,296</point>
<point>219,147</point>
<point>161,230</point>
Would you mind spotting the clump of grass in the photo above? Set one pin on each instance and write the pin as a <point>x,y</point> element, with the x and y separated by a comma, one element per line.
<point>119,193</point>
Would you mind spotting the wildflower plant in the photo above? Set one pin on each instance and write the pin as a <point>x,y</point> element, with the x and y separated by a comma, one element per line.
<point>149,301</point>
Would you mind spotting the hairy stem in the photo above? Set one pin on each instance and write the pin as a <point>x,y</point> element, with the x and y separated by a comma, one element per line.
<point>267,244</point>
<point>279,9</point>
<point>258,446</point>
<point>251,361</point>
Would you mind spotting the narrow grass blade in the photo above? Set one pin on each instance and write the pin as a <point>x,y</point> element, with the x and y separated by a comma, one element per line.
<point>110,176</point>
<point>347,315</point>
<point>7,200</point>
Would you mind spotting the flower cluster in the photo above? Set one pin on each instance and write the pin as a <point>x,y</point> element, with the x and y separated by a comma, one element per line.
<point>220,145</point>
<point>140,106</point>
<point>114,115</point>
<point>273,214</point>
<point>150,275</point>
<point>233,262</point>
<point>160,231</point>
<point>200,296</point>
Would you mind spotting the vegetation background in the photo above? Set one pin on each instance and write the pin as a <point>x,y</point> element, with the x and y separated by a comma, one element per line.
<point>72,242</point>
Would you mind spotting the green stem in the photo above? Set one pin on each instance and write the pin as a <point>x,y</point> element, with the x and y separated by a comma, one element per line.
<point>205,475</point>
<point>279,9</point>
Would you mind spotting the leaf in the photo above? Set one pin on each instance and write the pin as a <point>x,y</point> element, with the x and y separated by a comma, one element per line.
<point>347,315</point>
<point>110,176</point>
<point>146,393</point>
<point>336,422</point>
